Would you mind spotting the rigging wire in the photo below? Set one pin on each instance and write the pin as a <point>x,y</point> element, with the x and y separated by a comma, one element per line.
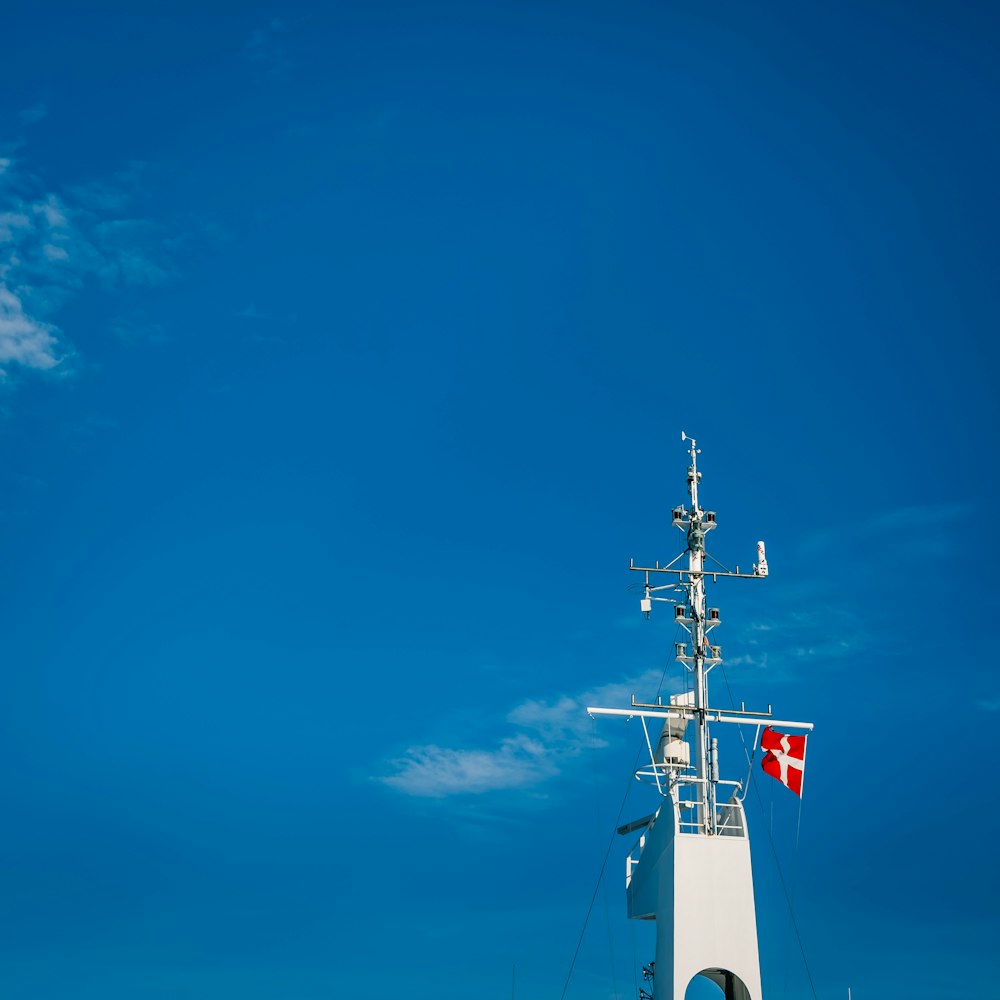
<point>607,853</point>
<point>600,877</point>
<point>788,898</point>
<point>607,905</point>
<point>611,943</point>
<point>635,958</point>
<point>774,850</point>
<point>795,882</point>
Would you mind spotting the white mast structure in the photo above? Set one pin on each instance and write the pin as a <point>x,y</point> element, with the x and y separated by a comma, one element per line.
<point>690,870</point>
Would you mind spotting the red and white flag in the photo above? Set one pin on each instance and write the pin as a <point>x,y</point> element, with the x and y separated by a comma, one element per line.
<point>785,758</point>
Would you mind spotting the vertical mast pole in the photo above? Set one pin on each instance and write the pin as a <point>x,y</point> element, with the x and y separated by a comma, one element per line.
<point>696,563</point>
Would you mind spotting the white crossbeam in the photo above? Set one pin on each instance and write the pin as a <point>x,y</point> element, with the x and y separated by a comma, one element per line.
<point>711,716</point>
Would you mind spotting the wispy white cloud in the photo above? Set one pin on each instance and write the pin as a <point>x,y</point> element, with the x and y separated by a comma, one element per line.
<point>435,772</point>
<point>820,636</point>
<point>828,620</point>
<point>548,736</point>
<point>262,325</point>
<point>12,224</point>
<point>105,198</point>
<point>139,329</point>
<point>23,340</point>
<point>34,114</point>
<point>563,721</point>
<point>915,531</point>
<point>51,246</point>
<point>266,49</point>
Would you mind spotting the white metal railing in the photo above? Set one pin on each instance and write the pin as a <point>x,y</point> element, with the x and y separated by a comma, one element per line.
<point>730,821</point>
<point>728,815</point>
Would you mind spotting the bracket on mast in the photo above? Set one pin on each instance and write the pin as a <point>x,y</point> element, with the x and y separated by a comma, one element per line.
<point>709,714</point>
<point>693,573</point>
<point>692,710</point>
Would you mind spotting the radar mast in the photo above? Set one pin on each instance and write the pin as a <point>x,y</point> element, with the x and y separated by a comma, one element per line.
<point>690,869</point>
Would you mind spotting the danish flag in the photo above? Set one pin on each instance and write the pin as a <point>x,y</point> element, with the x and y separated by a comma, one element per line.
<point>785,758</point>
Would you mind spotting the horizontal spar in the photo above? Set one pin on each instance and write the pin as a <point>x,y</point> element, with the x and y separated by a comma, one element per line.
<point>697,572</point>
<point>712,717</point>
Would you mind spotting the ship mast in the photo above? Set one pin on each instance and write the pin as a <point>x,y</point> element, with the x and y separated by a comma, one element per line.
<point>696,530</point>
<point>693,875</point>
<point>699,656</point>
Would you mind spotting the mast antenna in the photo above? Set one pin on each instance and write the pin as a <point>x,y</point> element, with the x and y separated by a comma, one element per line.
<point>691,868</point>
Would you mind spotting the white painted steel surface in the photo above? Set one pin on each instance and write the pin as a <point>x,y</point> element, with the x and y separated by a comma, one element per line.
<point>699,889</point>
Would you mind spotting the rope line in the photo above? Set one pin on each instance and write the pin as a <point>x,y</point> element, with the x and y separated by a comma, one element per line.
<point>774,849</point>
<point>635,958</point>
<point>604,864</point>
<point>795,883</point>
<point>607,853</point>
<point>607,905</point>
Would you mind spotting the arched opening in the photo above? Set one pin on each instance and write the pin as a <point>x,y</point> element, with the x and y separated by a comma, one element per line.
<point>716,984</point>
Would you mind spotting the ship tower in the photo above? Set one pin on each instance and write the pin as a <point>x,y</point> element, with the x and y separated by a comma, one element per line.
<point>690,869</point>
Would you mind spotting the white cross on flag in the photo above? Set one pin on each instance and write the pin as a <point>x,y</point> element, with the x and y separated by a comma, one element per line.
<point>785,758</point>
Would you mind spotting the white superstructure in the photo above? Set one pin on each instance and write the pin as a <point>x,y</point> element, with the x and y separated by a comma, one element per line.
<point>690,870</point>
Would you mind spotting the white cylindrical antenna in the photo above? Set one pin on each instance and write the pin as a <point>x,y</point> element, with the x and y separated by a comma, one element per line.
<point>761,568</point>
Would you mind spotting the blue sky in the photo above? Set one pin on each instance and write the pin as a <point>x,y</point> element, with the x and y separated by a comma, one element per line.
<point>346,350</point>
